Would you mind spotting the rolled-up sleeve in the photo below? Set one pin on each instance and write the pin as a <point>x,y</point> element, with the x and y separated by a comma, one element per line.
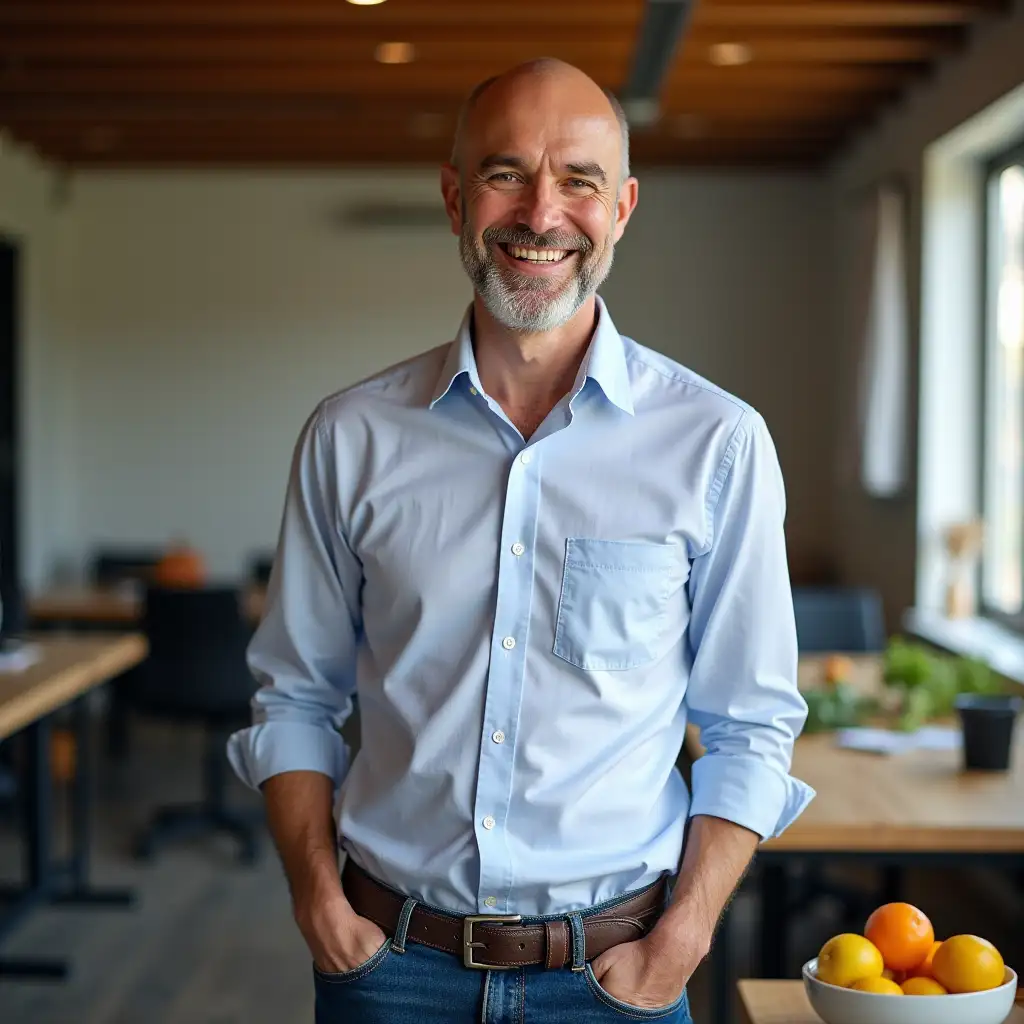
<point>742,690</point>
<point>303,654</point>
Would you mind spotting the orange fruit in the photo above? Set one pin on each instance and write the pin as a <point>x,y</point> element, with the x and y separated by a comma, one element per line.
<point>902,933</point>
<point>924,968</point>
<point>922,987</point>
<point>838,669</point>
<point>847,958</point>
<point>877,986</point>
<point>966,963</point>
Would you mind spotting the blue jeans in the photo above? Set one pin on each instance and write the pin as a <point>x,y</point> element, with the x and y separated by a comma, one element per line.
<point>409,983</point>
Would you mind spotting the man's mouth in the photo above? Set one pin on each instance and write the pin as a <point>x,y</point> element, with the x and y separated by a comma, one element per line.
<point>527,255</point>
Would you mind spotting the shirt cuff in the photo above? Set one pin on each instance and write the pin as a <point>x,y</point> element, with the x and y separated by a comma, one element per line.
<point>749,792</point>
<point>270,748</point>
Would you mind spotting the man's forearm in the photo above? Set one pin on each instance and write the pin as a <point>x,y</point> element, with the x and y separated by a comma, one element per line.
<point>299,814</point>
<point>717,854</point>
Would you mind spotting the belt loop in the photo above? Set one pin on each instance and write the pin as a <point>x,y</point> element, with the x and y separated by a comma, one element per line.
<point>398,942</point>
<point>579,941</point>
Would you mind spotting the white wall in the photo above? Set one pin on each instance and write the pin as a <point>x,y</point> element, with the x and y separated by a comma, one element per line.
<point>209,313</point>
<point>877,542</point>
<point>30,218</point>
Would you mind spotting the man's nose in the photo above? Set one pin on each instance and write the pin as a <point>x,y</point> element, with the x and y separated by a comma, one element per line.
<point>541,208</point>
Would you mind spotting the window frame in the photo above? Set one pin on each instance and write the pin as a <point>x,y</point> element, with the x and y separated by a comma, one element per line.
<point>991,168</point>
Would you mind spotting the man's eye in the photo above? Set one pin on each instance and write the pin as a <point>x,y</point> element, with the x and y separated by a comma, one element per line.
<point>504,177</point>
<point>577,183</point>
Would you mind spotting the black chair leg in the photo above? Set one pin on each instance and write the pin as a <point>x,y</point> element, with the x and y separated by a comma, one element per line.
<point>117,724</point>
<point>211,815</point>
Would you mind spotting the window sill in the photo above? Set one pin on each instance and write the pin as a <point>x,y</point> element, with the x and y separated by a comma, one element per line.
<point>995,644</point>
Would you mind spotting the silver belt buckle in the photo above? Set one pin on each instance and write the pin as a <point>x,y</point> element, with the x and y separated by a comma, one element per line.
<point>468,945</point>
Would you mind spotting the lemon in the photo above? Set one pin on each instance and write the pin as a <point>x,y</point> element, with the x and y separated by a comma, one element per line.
<point>967,963</point>
<point>922,987</point>
<point>847,958</point>
<point>877,986</point>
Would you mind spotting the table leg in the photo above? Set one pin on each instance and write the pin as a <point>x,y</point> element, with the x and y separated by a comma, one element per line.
<point>775,916</point>
<point>38,819</point>
<point>47,881</point>
<point>77,890</point>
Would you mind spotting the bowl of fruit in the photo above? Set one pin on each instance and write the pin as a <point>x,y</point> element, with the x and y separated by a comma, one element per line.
<point>865,979</point>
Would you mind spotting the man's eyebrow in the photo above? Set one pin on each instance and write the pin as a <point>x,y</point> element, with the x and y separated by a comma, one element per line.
<point>589,169</point>
<point>501,160</point>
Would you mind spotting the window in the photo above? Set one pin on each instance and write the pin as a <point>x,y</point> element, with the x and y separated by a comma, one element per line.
<point>1002,580</point>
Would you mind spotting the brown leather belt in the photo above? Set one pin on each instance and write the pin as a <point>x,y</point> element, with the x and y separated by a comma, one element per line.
<point>493,942</point>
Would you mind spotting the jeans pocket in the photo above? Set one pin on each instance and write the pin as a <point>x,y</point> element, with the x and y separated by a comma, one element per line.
<point>357,973</point>
<point>622,603</point>
<point>677,1011</point>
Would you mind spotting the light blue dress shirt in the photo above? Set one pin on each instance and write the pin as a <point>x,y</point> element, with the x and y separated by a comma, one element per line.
<point>529,625</point>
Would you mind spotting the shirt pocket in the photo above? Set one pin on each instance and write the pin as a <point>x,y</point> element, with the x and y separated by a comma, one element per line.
<point>614,609</point>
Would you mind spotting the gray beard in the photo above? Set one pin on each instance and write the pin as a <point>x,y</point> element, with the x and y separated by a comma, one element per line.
<point>523,304</point>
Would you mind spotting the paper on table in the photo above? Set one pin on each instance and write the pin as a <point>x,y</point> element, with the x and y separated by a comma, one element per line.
<point>16,657</point>
<point>885,741</point>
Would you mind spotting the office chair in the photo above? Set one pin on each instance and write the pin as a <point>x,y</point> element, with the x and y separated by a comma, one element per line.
<point>196,672</point>
<point>838,619</point>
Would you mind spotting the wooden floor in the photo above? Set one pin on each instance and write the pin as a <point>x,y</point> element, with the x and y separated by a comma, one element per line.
<point>213,943</point>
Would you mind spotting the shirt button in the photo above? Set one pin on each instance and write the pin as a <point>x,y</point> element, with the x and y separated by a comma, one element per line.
<point>508,643</point>
<point>526,458</point>
<point>489,823</point>
<point>491,901</point>
<point>498,736</point>
<point>473,391</point>
<point>518,549</point>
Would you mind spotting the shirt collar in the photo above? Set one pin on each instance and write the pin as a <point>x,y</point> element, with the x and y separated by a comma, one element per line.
<point>460,360</point>
<point>604,363</point>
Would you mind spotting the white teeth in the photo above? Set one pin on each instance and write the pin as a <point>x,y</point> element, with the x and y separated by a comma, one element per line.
<point>535,256</point>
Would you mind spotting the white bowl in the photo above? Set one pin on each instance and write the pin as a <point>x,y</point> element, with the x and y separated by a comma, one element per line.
<point>836,1005</point>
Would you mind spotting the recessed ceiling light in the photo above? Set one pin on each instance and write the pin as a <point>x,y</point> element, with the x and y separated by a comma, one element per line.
<point>730,54</point>
<point>395,53</point>
<point>365,3</point>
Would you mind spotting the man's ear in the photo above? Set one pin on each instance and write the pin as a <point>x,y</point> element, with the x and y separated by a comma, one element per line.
<point>625,204</point>
<point>451,190</point>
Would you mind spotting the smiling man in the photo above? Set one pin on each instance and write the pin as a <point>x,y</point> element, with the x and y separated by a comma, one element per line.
<point>535,553</point>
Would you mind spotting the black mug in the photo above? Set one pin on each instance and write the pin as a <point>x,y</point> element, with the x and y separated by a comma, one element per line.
<point>987,723</point>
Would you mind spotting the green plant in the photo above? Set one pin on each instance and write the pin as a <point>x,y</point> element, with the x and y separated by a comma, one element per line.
<point>926,683</point>
<point>837,707</point>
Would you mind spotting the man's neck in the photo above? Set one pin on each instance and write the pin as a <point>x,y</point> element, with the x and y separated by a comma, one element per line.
<point>527,374</point>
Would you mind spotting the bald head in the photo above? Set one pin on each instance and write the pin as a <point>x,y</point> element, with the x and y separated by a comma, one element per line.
<point>574,89</point>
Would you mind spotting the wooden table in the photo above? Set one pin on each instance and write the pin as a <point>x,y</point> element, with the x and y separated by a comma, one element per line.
<point>113,606</point>
<point>68,669</point>
<point>889,810</point>
<point>785,1002</point>
<point>70,666</point>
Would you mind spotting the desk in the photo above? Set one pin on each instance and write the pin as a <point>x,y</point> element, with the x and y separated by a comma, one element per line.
<point>113,606</point>
<point>69,668</point>
<point>785,1002</point>
<point>893,811</point>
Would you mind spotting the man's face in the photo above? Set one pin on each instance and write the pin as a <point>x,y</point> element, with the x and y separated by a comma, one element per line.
<point>537,202</point>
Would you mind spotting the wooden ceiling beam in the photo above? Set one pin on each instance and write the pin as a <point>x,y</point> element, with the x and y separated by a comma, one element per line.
<point>581,14</point>
<point>64,49</point>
